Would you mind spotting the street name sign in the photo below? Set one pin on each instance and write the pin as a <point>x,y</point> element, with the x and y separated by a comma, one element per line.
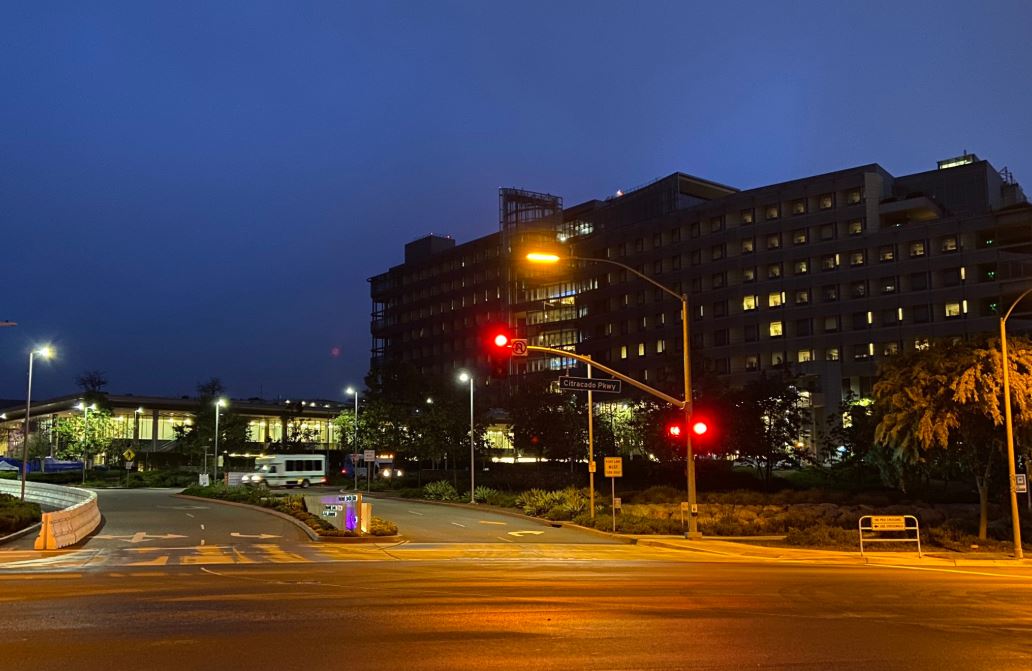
<point>614,467</point>
<point>589,384</point>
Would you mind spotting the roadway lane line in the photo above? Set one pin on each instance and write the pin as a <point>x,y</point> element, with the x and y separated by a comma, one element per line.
<point>189,515</point>
<point>202,527</point>
<point>459,525</point>
<point>952,570</point>
<point>501,524</point>
<point>413,512</point>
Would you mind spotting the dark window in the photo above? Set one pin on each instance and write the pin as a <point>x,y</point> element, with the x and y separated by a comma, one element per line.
<point>716,224</point>
<point>774,241</point>
<point>860,321</point>
<point>829,293</point>
<point>858,289</point>
<point>831,324</point>
<point>799,206</point>
<point>951,277</point>
<point>752,362</point>
<point>827,232</point>
<point>918,281</point>
<point>720,337</point>
<point>720,309</point>
<point>694,229</point>
<point>748,246</point>
<point>922,314</point>
<point>751,332</point>
<point>887,285</point>
<point>718,280</point>
<point>804,327</point>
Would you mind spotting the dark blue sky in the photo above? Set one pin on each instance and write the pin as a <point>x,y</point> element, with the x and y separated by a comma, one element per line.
<point>199,189</point>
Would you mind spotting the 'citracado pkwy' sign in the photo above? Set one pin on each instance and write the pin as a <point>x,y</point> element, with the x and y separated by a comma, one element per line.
<point>589,384</point>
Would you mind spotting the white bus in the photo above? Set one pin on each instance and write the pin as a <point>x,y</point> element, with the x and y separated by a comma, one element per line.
<point>287,470</point>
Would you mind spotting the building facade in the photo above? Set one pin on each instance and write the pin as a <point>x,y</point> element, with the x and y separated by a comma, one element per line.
<point>827,275</point>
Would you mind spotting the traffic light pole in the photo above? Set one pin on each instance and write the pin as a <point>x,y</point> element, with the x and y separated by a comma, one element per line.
<point>591,448</point>
<point>693,508</point>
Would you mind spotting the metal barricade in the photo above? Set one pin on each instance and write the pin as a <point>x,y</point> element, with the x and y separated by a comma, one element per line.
<point>877,524</point>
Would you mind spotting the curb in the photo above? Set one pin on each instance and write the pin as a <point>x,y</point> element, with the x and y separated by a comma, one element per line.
<point>18,534</point>
<point>520,516</point>
<point>310,532</point>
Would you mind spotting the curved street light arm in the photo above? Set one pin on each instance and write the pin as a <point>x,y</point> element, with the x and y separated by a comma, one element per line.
<point>651,281</point>
<point>1016,301</point>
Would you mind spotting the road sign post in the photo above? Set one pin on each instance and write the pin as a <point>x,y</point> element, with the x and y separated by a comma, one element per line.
<point>614,470</point>
<point>369,456</point>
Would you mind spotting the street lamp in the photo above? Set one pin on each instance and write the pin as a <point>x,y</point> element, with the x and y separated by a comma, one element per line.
<point>693,518</point>
<point>1011,471</point>
<point>354,460</point>
<point>46,352</point>
<point>466,377</point>
<point>219,403</point>
<point>81,405</point>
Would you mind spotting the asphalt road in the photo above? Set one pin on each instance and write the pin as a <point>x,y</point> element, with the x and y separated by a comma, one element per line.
<point>541,614</point>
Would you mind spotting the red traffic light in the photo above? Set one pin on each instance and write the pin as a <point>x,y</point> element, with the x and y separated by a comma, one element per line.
<point>700,427</point>
<point>674,430</point>
<point>501,340</point>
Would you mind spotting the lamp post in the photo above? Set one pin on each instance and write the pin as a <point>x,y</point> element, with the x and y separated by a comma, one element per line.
<point>219,403</point>
<point>466,377</point>
<point>46,352</point>
<point>693,518</point>
<point>1011,471</point>
<point>354,459</point>
<point>85,432</point>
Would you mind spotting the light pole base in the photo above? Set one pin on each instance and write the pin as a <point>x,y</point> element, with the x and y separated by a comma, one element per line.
<point>693,535</point>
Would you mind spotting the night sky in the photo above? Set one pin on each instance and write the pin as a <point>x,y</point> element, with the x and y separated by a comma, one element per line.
<point>198,189</point>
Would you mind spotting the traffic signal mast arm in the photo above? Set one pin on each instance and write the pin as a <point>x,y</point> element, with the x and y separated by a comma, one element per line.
<point>620,376</point>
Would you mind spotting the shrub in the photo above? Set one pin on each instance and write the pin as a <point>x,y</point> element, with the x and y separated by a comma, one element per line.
<point>658,494</point>
<point>536,501</point>
<point>15,514</point>
<point>822,535</point>
<point>379,527</point>
<point>442,490</point>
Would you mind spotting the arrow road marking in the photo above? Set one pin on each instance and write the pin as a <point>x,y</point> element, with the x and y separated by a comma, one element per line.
<point>262,536</point>
<point>520,534</point>
<point>139,537</point>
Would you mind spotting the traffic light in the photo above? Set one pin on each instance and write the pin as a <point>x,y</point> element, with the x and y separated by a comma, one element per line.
<point>499,351</point>
<point>674,430</point>
<point>700,427</point>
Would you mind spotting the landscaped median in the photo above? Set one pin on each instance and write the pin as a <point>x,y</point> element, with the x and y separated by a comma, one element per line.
<point>16,514</point>
<point>292,505</point>
<point>803,518</point>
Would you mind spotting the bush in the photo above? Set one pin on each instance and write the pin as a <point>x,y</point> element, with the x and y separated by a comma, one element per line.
<point>380,527</point>
<point>442,490</point>
<point>16,514</point>
<point>824,536</point>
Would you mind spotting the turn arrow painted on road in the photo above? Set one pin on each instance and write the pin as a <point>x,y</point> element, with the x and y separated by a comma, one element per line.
<point>519,534</point>
<point>262,536</point>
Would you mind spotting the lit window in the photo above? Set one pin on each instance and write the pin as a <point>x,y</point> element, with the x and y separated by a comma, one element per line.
<point>804,355</point>
<point>774,241</point>
<point>801,267</point>
<point>949,244</point>
<point>921,344</point>
<point>750,302</point>
<point>856,258</point>
<point>830,261</point>
<point>777,358</point>
<point>747,216</point>
<point>799,237</point>
<point>641,349</point>
<point>775,329</point>
<point>772,212</point>
<point>826,201</point>
<point>749,275</point>
<point>855,227</point>
<point>831,324</point>
<point>748,246</point>
<point>952,310</point>
<point>890,349</point>
<point>831,354</point>
<point>623,351</point>
<point>917,248</point>
<point>799,206</point>
<point>888,285</point>
<point>775,299</point>
<point>886,253</point>
<point>853,197</point>
<point>660,346</point>
<point>773,271</point>
<point>752,362</point>
<point>802,297</point>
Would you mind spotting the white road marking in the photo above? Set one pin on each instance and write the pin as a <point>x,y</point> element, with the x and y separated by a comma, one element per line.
<point>459,525</point>
<point>139,537</point>
<point>263,536</point>
<point>191,516</point>
<point>520,534</point>
<point>501,524</point>
<point>951,570</point>
<point>507,540</point>
<point>202,527</point>
<point>413,512</point>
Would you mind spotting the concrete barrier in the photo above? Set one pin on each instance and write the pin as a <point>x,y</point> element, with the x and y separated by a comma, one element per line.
<point>76,516</point>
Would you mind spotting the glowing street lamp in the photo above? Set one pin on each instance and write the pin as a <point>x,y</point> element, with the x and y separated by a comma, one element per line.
<point>219,403</point>
<point>466,377</point>
<point>550,258</point>
<point>45,352</point>
<point>354,461</point>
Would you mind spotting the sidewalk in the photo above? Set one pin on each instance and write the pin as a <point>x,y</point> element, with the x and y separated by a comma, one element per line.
<point>744,550</point>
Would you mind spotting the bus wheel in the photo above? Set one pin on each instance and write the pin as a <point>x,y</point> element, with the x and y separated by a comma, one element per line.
<point>304,484</point>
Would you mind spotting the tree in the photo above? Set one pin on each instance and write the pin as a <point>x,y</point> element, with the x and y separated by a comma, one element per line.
<point>194,438</point>
<point>549,423</point>
<point>91,381</point>
<point>949,398</point>
<point>768,418</point>
<point>849,437</point>
<point>85,434</point>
